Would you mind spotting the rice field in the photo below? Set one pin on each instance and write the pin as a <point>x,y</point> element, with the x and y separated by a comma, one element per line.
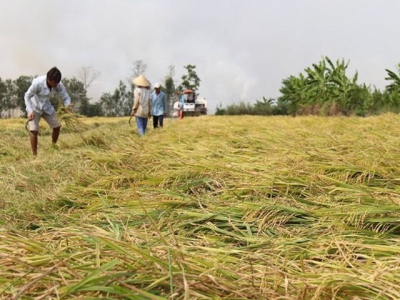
<point>213,207</point>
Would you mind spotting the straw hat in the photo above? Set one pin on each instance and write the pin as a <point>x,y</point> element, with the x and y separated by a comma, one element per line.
<point>141,81</point>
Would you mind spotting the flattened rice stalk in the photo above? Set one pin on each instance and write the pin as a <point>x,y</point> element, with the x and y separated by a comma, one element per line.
<point>71,120</point>
<point>265,208</point>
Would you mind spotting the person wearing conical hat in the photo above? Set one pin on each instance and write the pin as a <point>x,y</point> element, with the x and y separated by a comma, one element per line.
<point>141,103</point>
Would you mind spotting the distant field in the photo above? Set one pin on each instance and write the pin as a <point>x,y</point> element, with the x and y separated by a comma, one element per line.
<point>211,207</point>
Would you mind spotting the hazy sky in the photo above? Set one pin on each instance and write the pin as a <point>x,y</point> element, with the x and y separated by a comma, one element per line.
<point>242,49</point>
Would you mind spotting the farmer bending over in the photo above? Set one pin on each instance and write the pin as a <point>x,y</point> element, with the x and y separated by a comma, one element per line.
<point>38,105</point>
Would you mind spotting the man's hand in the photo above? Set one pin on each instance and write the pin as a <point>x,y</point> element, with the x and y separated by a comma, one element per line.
<point>133,113</point>
<point>31,116</point>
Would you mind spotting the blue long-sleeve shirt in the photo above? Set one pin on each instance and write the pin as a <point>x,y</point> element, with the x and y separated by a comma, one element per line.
<point>158,104</point>
<point>38,94</point>
<point>183,101</point>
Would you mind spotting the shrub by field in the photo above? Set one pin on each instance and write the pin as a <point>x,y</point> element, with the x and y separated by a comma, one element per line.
<point>212,207</point>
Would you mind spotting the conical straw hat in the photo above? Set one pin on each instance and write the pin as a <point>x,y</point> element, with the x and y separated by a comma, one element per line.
<point>141,81</point>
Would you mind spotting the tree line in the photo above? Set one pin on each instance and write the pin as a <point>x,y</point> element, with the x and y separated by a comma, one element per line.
<point>325,89</point>
<point>111,104</point>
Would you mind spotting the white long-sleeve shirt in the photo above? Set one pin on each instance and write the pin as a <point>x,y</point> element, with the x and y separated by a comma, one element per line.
<point>38,94</point>
<point>142,102</point>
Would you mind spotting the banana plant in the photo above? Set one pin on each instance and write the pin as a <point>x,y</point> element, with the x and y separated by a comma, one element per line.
<point>391,101</point>
<point>328,83</point>
<point>317,80</point>
<point>324,84</point>
<point>394,78</point>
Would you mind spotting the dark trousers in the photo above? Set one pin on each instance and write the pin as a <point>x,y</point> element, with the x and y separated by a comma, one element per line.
<point>158,121</point>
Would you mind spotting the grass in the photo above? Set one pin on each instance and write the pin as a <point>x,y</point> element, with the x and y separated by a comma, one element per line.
<point>214,207</point>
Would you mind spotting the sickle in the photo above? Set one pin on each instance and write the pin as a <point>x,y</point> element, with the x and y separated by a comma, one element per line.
<point>26,127</point>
